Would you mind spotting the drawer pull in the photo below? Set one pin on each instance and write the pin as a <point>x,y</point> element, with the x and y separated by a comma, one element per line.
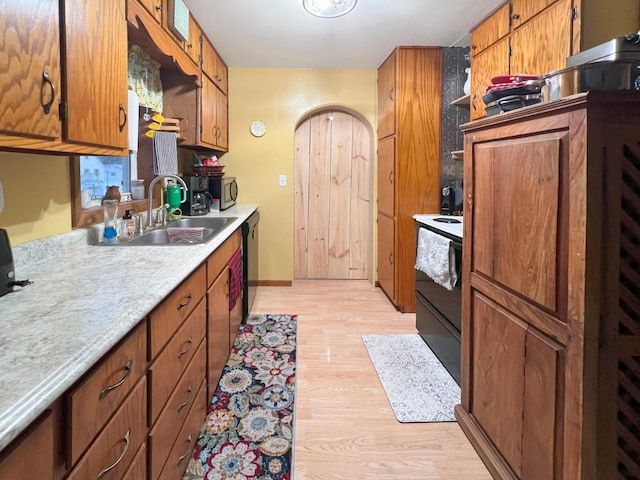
<point>124,452</point>
<point>47,106</point>
<point>108,390</point>
<point>189,345</point>
<point>182,405</point>
<point>182,305</point>
<point>186,454</point>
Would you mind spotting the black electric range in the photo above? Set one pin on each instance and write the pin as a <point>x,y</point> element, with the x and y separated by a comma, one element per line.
<point>438,310</point>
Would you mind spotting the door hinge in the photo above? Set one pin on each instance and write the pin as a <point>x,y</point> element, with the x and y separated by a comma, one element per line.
<point>62,110</point>
<point>574,13</point>
<point>510,50</point>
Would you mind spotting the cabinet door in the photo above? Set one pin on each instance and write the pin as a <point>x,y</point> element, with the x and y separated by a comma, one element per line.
<point>96,72</point>
<point>222,121</point>
<point>217,328</point>
<point>387,97</point>
<point>30,68</point>
<point>493,61</point>
<point>221,75</point>
<point>490,31</point>
<point>550,30</point>
<point>33,457</point>
<point>209,59</point>
<point>154,7</point>
<point>208,99</point>
<point>386,255</point>
<point>517,247</point>
<point>386,176</point>
<point>523,10</point>
<point>192,47</point>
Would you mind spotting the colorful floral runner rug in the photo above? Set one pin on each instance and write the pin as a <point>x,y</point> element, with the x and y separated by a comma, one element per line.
<point>248,431</point>
<point>417,385</point>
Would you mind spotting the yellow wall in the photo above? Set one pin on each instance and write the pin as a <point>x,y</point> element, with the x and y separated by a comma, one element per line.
<point>280,98</point>
<point>604,20</point>
<point>37,196</point>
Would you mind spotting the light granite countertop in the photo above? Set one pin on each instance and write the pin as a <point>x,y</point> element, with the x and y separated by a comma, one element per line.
<point>84,299</point>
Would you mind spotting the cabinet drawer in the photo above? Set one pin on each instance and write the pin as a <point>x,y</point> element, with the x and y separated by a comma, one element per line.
<point>219,259</point>
<point>18,462</point>
<point>138,468</point>
<point>164,432</point>
<point>114,449</point>
<point>92,403</point>
<point>165,372</point>
<point>181,452</point>
<point>165,320</point>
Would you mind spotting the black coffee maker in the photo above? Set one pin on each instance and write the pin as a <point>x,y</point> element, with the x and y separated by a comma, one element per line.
<point>198,197</point>
<point>7,274</point>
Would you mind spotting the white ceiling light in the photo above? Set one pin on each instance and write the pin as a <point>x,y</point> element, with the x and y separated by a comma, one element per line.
<point>328,8</point>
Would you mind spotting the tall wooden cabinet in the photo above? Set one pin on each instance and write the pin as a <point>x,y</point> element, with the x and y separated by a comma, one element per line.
<point>409,111</point>
<point>536,36</point>
<point>550,329</point>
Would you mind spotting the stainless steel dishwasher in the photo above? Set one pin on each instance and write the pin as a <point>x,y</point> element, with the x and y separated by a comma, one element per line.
<point>250,264</point>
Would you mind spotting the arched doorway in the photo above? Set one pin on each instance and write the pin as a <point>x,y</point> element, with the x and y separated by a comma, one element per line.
<point>333,195</point>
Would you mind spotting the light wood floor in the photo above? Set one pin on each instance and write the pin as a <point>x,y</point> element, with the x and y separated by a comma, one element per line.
<point>345,428</point>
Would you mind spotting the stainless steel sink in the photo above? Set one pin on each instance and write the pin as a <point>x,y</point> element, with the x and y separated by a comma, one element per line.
<point>212,226</point>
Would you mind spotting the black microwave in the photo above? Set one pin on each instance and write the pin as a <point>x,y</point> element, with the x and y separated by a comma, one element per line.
<point>224,189</point>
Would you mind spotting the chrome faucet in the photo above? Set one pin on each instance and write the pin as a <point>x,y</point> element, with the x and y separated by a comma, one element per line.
<point>151,185</point>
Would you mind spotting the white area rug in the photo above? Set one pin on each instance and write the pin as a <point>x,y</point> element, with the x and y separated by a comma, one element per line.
<point>418,387</point>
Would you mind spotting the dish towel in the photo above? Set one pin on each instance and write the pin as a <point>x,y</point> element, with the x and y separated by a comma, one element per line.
<point>165,153</point>
<point>235,278</point>
<point>436,258</point>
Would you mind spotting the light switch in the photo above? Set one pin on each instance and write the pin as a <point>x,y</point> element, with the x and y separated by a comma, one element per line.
<point>283,180</point>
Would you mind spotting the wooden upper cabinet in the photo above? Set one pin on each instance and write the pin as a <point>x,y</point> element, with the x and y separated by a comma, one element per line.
<point>213,66</point>
<point>208,112</point>
<point>553,27</point>
<point>96,73</point>
<point>165,24</point>
<point>222,120</point>
<point>524,10</point>
<point>493,61</point>
<point>30,68</point>
<point>192,47</point>
<point>491,30</point>
<point>154,7</point>
<point>386,97</point>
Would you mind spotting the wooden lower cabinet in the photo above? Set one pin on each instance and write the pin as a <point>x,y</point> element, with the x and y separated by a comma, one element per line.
<point>217,328</point>
<point>138,468</point>
<point>114,449</point>
<point>550,331</point>
<point>17,460</point>
<point>386,254</point>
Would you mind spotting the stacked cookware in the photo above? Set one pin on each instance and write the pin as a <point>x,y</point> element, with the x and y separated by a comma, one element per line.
<point>509,92</point>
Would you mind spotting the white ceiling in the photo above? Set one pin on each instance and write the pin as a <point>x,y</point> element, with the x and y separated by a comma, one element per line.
<point>280,34</point>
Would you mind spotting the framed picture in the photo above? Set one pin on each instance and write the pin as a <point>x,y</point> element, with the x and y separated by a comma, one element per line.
<point>178,19</point>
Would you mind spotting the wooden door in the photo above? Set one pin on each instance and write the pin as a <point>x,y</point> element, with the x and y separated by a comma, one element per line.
<point>493,61</point>
<point>31,51</point>
<point>155,8</point>
<point>386,97</point>
<point>490,31</point>
<point>524,10</point>
<point>217,328</point>
<point>551,30</point>
<point>193,45</point>
<point>96,60</point>
<point>333,165</point>
<point>386,175</point>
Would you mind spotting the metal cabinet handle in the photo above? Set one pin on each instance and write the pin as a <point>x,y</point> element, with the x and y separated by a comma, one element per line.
<point>391,176</point>
<point>110,388</point>
<point>189,345</point>
<point>473,102</point>
<point>391,94</point>
<point>124,121</point>
<point>391,258</point>
<point>182,305</point>
<point>186,454</point>
<point>124,452</point>
<point>47,106</point>
<point>186,402</point>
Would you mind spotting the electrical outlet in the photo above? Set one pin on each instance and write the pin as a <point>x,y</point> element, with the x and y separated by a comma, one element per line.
<point>283,180</point>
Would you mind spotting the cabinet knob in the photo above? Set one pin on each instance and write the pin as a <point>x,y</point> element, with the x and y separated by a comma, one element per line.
<point>159,8</point>
<point>515,16</point>
<point>473,47</point>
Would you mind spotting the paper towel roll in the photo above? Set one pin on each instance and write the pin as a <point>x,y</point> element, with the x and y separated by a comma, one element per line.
<point>133,116</point>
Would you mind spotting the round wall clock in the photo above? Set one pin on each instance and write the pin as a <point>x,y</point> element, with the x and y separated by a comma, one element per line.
<point>258,128</point>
